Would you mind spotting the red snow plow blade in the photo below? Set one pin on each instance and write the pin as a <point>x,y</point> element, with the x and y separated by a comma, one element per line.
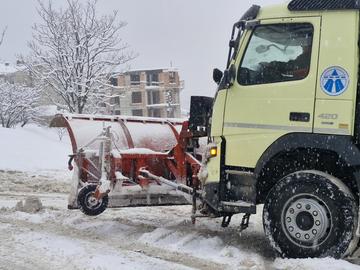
<point>126,158</point>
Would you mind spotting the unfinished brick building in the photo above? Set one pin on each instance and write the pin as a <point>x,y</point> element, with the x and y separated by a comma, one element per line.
<point>153,93</point>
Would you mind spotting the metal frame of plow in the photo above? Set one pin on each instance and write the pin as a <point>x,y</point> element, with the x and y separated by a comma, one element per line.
<point>128,187</point>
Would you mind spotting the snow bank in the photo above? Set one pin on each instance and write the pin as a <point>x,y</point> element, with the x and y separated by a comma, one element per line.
<point>33,148</point>
<point>30,205</point>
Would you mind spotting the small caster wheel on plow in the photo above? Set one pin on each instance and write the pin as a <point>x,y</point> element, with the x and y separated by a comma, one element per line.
<point>87,202</point>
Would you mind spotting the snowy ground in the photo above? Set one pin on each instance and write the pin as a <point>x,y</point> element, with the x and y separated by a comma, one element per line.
<point>128,238</point>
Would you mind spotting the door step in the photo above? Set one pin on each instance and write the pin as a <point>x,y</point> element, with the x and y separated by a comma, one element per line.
<point>238,207</point>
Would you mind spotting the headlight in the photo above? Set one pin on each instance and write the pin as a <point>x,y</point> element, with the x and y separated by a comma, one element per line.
<point>213,151</point>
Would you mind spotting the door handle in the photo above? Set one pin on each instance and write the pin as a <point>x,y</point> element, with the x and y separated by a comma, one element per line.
<point>299,117</point>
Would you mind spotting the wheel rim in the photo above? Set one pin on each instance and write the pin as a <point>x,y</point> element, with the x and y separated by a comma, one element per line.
<point>91,202</point>
<point>306,220</point>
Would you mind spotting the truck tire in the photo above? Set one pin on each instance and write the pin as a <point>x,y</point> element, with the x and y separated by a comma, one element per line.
<point>88,204</point>
<point>311,214</point>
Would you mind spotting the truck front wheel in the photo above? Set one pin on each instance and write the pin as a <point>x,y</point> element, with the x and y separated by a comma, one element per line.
<point>311,214</point>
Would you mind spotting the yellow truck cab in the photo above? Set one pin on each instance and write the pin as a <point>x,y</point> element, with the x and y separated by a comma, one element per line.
<point>285,127</point>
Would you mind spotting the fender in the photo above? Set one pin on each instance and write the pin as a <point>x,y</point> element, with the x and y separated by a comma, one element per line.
<point>342,145</point>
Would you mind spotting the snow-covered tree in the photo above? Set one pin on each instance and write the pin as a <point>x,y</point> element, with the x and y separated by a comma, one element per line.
<point>74,52</point>
<point>17,104</point>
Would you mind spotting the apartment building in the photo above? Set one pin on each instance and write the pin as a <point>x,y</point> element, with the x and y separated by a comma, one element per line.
<point>153,93</point>
<point>17,74</point>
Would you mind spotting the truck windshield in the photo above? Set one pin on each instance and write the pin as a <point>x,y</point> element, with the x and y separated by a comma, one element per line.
<point>277,53</point>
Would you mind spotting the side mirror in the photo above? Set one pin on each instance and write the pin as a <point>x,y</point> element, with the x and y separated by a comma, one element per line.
<point>217,75</point>
<point>200,113</point>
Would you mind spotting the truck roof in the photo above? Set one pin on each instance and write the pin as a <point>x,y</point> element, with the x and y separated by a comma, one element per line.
<point>324,5</point>
<point>302,8</point>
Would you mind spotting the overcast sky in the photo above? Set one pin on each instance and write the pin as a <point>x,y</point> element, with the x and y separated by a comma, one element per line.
<point>191,35</point>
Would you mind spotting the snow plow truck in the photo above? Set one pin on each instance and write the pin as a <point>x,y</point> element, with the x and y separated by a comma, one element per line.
<point>283,130</point>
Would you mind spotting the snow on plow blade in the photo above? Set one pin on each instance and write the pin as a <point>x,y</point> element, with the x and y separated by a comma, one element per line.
<point>110,151</point>
<point>130,132</point>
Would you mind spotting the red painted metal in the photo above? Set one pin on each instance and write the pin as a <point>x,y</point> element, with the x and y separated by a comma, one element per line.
<point>176,164</point>
<point>127,133</point>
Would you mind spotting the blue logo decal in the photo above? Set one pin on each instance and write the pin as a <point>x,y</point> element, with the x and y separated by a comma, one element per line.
<point>334,81</point>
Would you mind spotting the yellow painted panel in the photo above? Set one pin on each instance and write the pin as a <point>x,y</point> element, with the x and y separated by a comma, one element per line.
<point>250,152</point>
<point>257,115</point>
<point>218,113</point>
<point>213,165</point>
<point>334,117</point>
<point>339,48</point>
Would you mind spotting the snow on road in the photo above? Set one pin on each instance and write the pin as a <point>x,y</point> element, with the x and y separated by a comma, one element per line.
<point>130,238</point>
<point>127,238</point>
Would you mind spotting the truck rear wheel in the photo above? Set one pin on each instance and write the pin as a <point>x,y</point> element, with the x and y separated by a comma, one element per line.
<point>311,214</point>
<point>88,204</point>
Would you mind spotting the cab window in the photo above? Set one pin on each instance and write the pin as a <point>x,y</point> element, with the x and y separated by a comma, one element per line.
<point>277,53</point>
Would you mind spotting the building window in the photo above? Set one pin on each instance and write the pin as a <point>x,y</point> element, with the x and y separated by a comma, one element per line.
<point>115,100</point>
<point>114,81</point>
<point>153,97</point>
<point>135,79</point>
<point>102,104</point>
<point>117,112</point>
<point>137,112</point>
<point>170,96</point>
<point>154,112</point>
<point>136,97</point>
<point>172,77</point>
<point>152,79</point>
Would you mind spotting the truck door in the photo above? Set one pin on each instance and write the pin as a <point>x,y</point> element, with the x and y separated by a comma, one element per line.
<point>274,92</point>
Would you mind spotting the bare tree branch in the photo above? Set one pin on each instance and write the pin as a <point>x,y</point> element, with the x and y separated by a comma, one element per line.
<point>74,52</point>
<point>3,35</point>
<point>17,104</point>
